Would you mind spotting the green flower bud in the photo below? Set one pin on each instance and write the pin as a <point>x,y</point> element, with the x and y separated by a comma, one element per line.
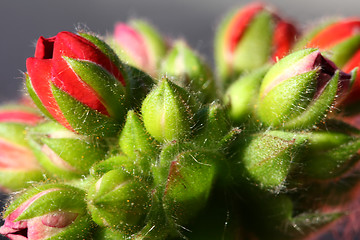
<point>63,153</point>
<point>267,158</point>
<point>298,91</point>
<point>119,201</point>
<point>241,96</point>
<point>168,112</point>
<point>51,211</point>
<point>136,143</point>
<point>185,175</point>
<point>185,68</point>
<point>214,126</point>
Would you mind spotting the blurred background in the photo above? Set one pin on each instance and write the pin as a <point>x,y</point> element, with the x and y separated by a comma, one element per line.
<point>22,22</point>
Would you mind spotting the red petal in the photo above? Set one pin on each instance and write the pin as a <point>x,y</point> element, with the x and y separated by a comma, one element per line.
<point>44,48</point>
<point>73,46</point>
<point>239,23</point>
<point>20,117</point>
<point>133,43</point>
<point>39,71</point>
<point>335,33</point>
<point>284,37</point>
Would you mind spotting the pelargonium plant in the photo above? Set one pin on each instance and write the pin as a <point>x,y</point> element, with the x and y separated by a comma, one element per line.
<point>135,136</point>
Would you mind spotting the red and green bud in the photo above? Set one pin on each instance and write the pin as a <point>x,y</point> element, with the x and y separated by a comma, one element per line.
<point>168,112</point>
<point>119,201</point>
<point>241,96</point>
<point>18,165</point>
<point>63,153</point>
<point>186,69</point>
<point>77,80</point>
<point>266,159</point>
<point>340,42</point>
<point>137,144</point>
<point>251,37</point>
<point>50,211</point>
<point>299,90</point>
<point>139,44</point>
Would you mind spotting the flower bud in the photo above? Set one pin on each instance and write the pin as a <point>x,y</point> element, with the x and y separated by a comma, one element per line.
<point>267,158</point>
<point>136,143</point>
<point>63,153</point>
<point>168,112</point>
<point>340,42</point>
<point>50,211</point>
<point>298,91</point>
<point>18,165</point>
<point>249,37</point>
<point>330,154</point>
<point>78,81</point>
<point>241,95</point>
<point>185,175</point>
<point>119,201</point>
<point>213,127</point>
<point>185,68</point>
<point>139,44</point>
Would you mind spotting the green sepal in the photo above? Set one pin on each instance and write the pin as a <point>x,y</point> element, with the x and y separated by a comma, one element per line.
<point>186,69</point>
<point>168,112</point>
<point>241,96</point>
<point>109,89</point>
<point>120,201</point>
<point>254,48</point>
<point>83,119</point>
<point>267,158</point>
<point>103,233</point>
<point>136,143</point>
<point>331,155</point>
<point>115,162</point>
<point>318,108</point>
<point>77,153</point>
<point>104,48</point>
<point>304,224</point>
<point>63,197</point>
<point>283,65</point>
<point>35,98</point>
<point>214,127</point>
<point>184,178</point>
<point>342,52</point>
<point>80,154</point>
<point>287,100</point>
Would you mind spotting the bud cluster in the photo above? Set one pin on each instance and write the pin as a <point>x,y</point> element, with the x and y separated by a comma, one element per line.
<point>132,136</point>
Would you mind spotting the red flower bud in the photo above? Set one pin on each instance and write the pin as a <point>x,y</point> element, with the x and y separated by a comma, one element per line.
<point>342,39</point>
<point>250,38</point>
<point>18,165</point>
<point>80,66</point>
<point>139,44</point>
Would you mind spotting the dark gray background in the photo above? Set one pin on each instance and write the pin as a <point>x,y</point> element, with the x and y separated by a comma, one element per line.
<point>23,21</point>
